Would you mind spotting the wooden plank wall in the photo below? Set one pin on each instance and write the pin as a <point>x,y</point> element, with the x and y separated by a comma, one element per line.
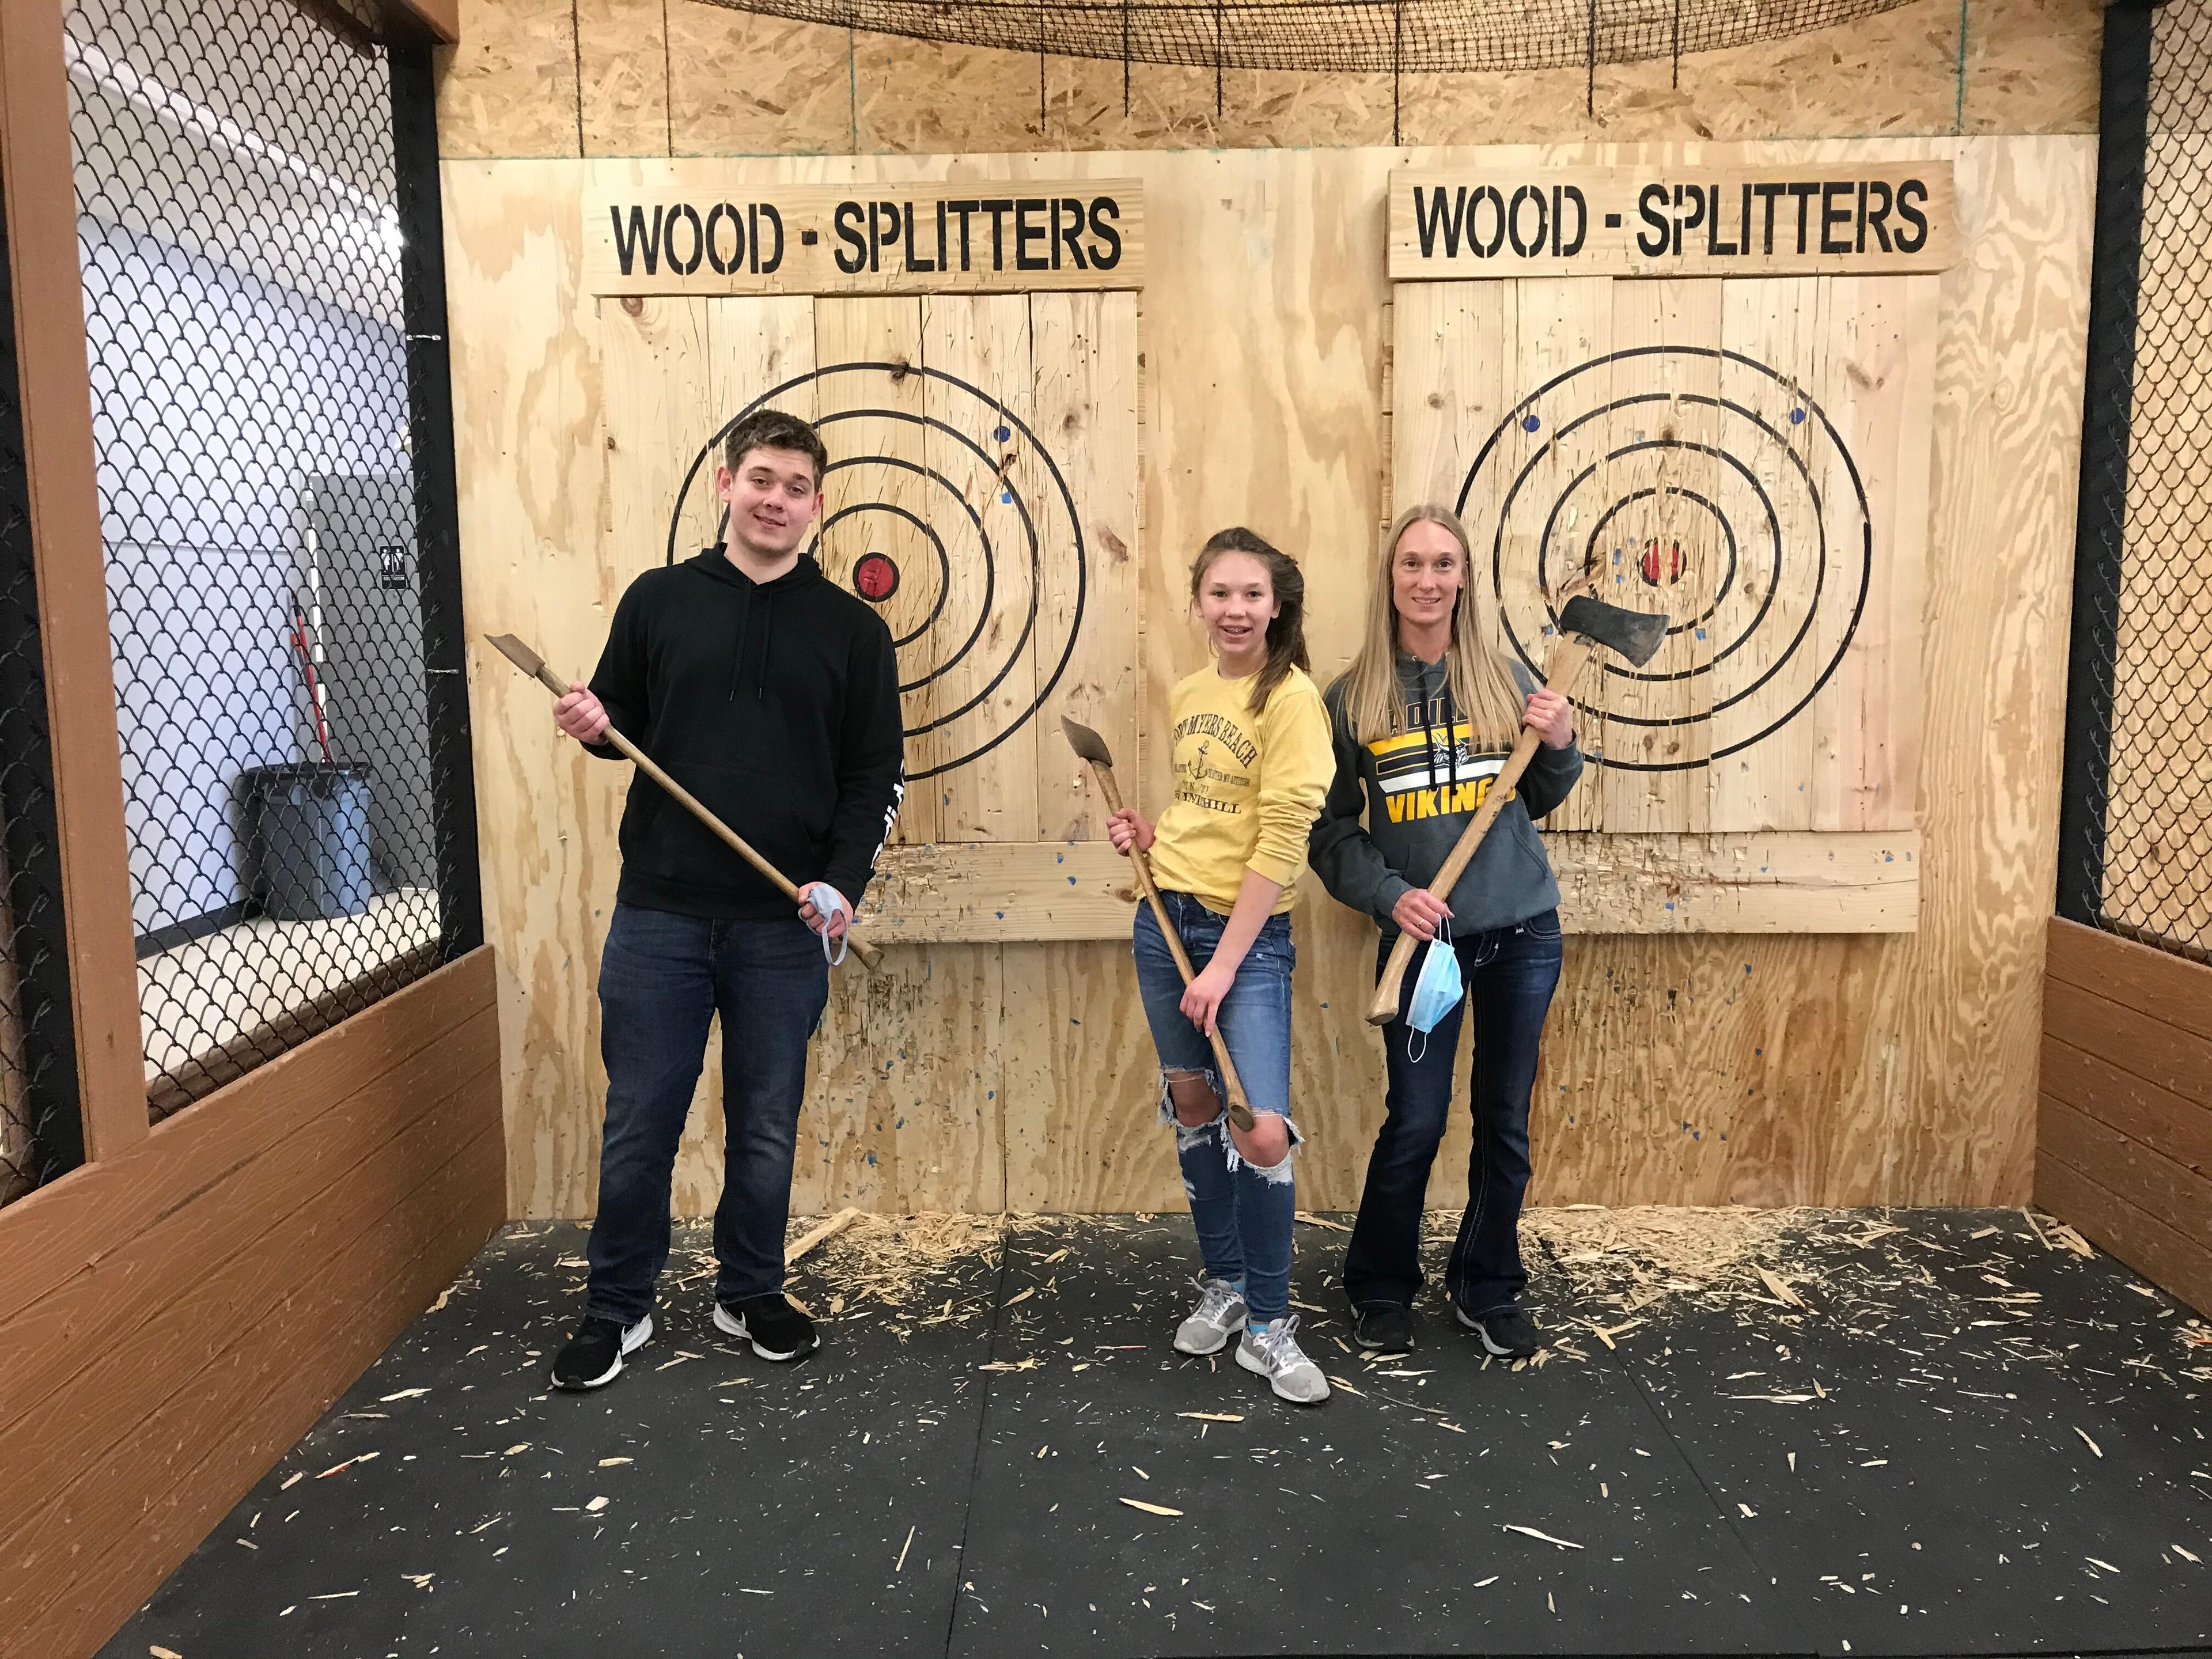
<point>1842,1070</point>
<point>2124,1147</point>
<point>175,1317</point>
<point>1703,1068</point>
<point>679,77</point>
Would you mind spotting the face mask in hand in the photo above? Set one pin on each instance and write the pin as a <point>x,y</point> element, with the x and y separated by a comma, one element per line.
<point>825,899</point>
<point>1436,991</point>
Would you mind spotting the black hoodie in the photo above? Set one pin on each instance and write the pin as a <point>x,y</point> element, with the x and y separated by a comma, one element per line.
<point>777,704</point>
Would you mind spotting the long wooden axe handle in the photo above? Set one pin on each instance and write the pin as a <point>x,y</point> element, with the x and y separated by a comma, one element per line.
<point>1564,670</point>
<point>1240,1109</point>
<point>534,665</point>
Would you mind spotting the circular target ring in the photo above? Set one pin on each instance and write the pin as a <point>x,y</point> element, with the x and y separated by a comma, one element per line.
<point>1546,586</point>
<point>1673,574</point>
<point>975,541</point>
<point>1738,509</point>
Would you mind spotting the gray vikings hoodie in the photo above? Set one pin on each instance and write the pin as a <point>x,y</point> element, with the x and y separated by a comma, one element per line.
<point>1417,791</point>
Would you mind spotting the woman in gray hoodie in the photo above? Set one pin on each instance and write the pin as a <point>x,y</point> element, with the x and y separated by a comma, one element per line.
<point>1422,722</point>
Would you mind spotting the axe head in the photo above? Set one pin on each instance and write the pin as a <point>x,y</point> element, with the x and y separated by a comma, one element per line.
<point>1087,744</point>
<point>518,653</point>
<point>1635,634</point>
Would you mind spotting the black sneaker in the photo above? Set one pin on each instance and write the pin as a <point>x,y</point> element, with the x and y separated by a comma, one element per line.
<point>775,1328</point>
<point>1506,1333</point>
<point>1384,1330</point>
<point>593,1356</point>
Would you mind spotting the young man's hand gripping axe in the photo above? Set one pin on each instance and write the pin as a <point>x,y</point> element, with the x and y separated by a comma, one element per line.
<point>534,665</point>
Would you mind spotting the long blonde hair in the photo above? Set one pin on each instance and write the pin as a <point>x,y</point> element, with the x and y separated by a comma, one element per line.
<point>1484,692</point>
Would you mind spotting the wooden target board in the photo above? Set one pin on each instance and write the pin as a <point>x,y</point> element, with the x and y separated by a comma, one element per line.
<point>981,495</point>
<point>1748,455</point>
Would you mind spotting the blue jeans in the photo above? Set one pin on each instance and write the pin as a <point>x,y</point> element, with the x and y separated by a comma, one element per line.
<point>1243,1216</point>
<point>663,979</point>
<point>1510,974</point>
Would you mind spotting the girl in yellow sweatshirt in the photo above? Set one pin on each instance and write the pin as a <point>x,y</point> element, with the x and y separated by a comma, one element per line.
<point>1252,762</point>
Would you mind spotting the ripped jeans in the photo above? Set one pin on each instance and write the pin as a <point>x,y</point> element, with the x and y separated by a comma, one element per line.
<point>1243,1216</point>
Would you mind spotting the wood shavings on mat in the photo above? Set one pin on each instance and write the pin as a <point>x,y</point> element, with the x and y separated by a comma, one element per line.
<point>886,1264</point>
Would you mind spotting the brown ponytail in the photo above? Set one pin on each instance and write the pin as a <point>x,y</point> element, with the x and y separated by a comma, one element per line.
<point>1286,633</point>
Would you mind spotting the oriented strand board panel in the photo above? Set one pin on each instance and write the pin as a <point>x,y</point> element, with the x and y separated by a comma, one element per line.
<point>1692,1068</point>
<point>686,78</point>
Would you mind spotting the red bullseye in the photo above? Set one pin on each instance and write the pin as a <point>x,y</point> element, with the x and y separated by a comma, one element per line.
<point>1661,565</point>
<point>875,577</point>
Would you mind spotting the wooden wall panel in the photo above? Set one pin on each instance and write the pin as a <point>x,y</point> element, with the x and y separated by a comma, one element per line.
<point>160,1342</point>
<point>2125,1150</point>
<point>625,67</point>
<point>744,85</point>
<point>54,395</point>
<point>1716,1068</point>
<point>707,80</point>
<point>509,87</point>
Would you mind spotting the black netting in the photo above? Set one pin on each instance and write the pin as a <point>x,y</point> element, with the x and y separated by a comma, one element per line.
<point>41,1135</point>
<point>1374,36</point>
<point>2136,853</point>
<point>276,569</point>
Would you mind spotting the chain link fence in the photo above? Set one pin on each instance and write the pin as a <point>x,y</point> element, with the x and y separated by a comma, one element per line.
<point>257,245</point>
<point>41,1133</point>
<point>2136,830</point>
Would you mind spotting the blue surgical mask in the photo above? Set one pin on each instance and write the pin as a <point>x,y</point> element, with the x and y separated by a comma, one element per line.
<point>1436,990</point>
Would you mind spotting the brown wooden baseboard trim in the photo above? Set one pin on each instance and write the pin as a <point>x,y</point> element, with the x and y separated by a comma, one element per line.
<point>173,1320</point>
<point>2181,1266</point>
<point>61,1230</point>
<point>110,1550</point>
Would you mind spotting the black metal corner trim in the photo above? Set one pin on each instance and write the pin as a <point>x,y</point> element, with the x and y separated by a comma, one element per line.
<point>430,418</point>
<point>2101,513</point>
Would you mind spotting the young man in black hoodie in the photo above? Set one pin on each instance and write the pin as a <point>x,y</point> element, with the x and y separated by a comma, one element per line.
<point>772,694</point>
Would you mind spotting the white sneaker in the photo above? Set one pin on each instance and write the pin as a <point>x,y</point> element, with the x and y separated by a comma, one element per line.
<point>1220,1314</point>
<point>1274,1354</point>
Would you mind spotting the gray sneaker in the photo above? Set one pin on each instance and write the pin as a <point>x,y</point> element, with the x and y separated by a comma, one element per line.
<point>1219,1315</point>
<point>1276,1356</point>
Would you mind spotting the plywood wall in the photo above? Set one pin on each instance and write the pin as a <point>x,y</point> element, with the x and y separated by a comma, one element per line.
<point>1702,1069</point>
<point>681,77</point>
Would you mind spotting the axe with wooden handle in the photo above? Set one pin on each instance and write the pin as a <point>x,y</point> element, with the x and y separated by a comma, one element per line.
<point>534,665</point>
<point>1585,623</point>
<point>1092,748</point>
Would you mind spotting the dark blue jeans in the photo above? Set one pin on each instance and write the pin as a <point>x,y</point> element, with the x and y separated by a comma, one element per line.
<point>662,980</point>
<point>1510,973</point>
<point>1243,1216</point>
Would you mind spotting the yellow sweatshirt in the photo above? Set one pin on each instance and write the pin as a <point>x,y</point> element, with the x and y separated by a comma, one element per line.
<point>1248,788</point>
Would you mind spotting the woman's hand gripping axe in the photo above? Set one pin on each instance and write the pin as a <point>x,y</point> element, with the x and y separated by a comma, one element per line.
<point>534,665</point>
<point>1092,748</point>
<point>1585,623</point>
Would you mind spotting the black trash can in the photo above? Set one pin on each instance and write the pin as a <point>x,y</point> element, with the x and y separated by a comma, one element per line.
<point>309,826</point>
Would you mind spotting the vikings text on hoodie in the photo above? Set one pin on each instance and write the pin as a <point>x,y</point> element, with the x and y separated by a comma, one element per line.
<point>777,704</point>
<point>1417,789</point>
